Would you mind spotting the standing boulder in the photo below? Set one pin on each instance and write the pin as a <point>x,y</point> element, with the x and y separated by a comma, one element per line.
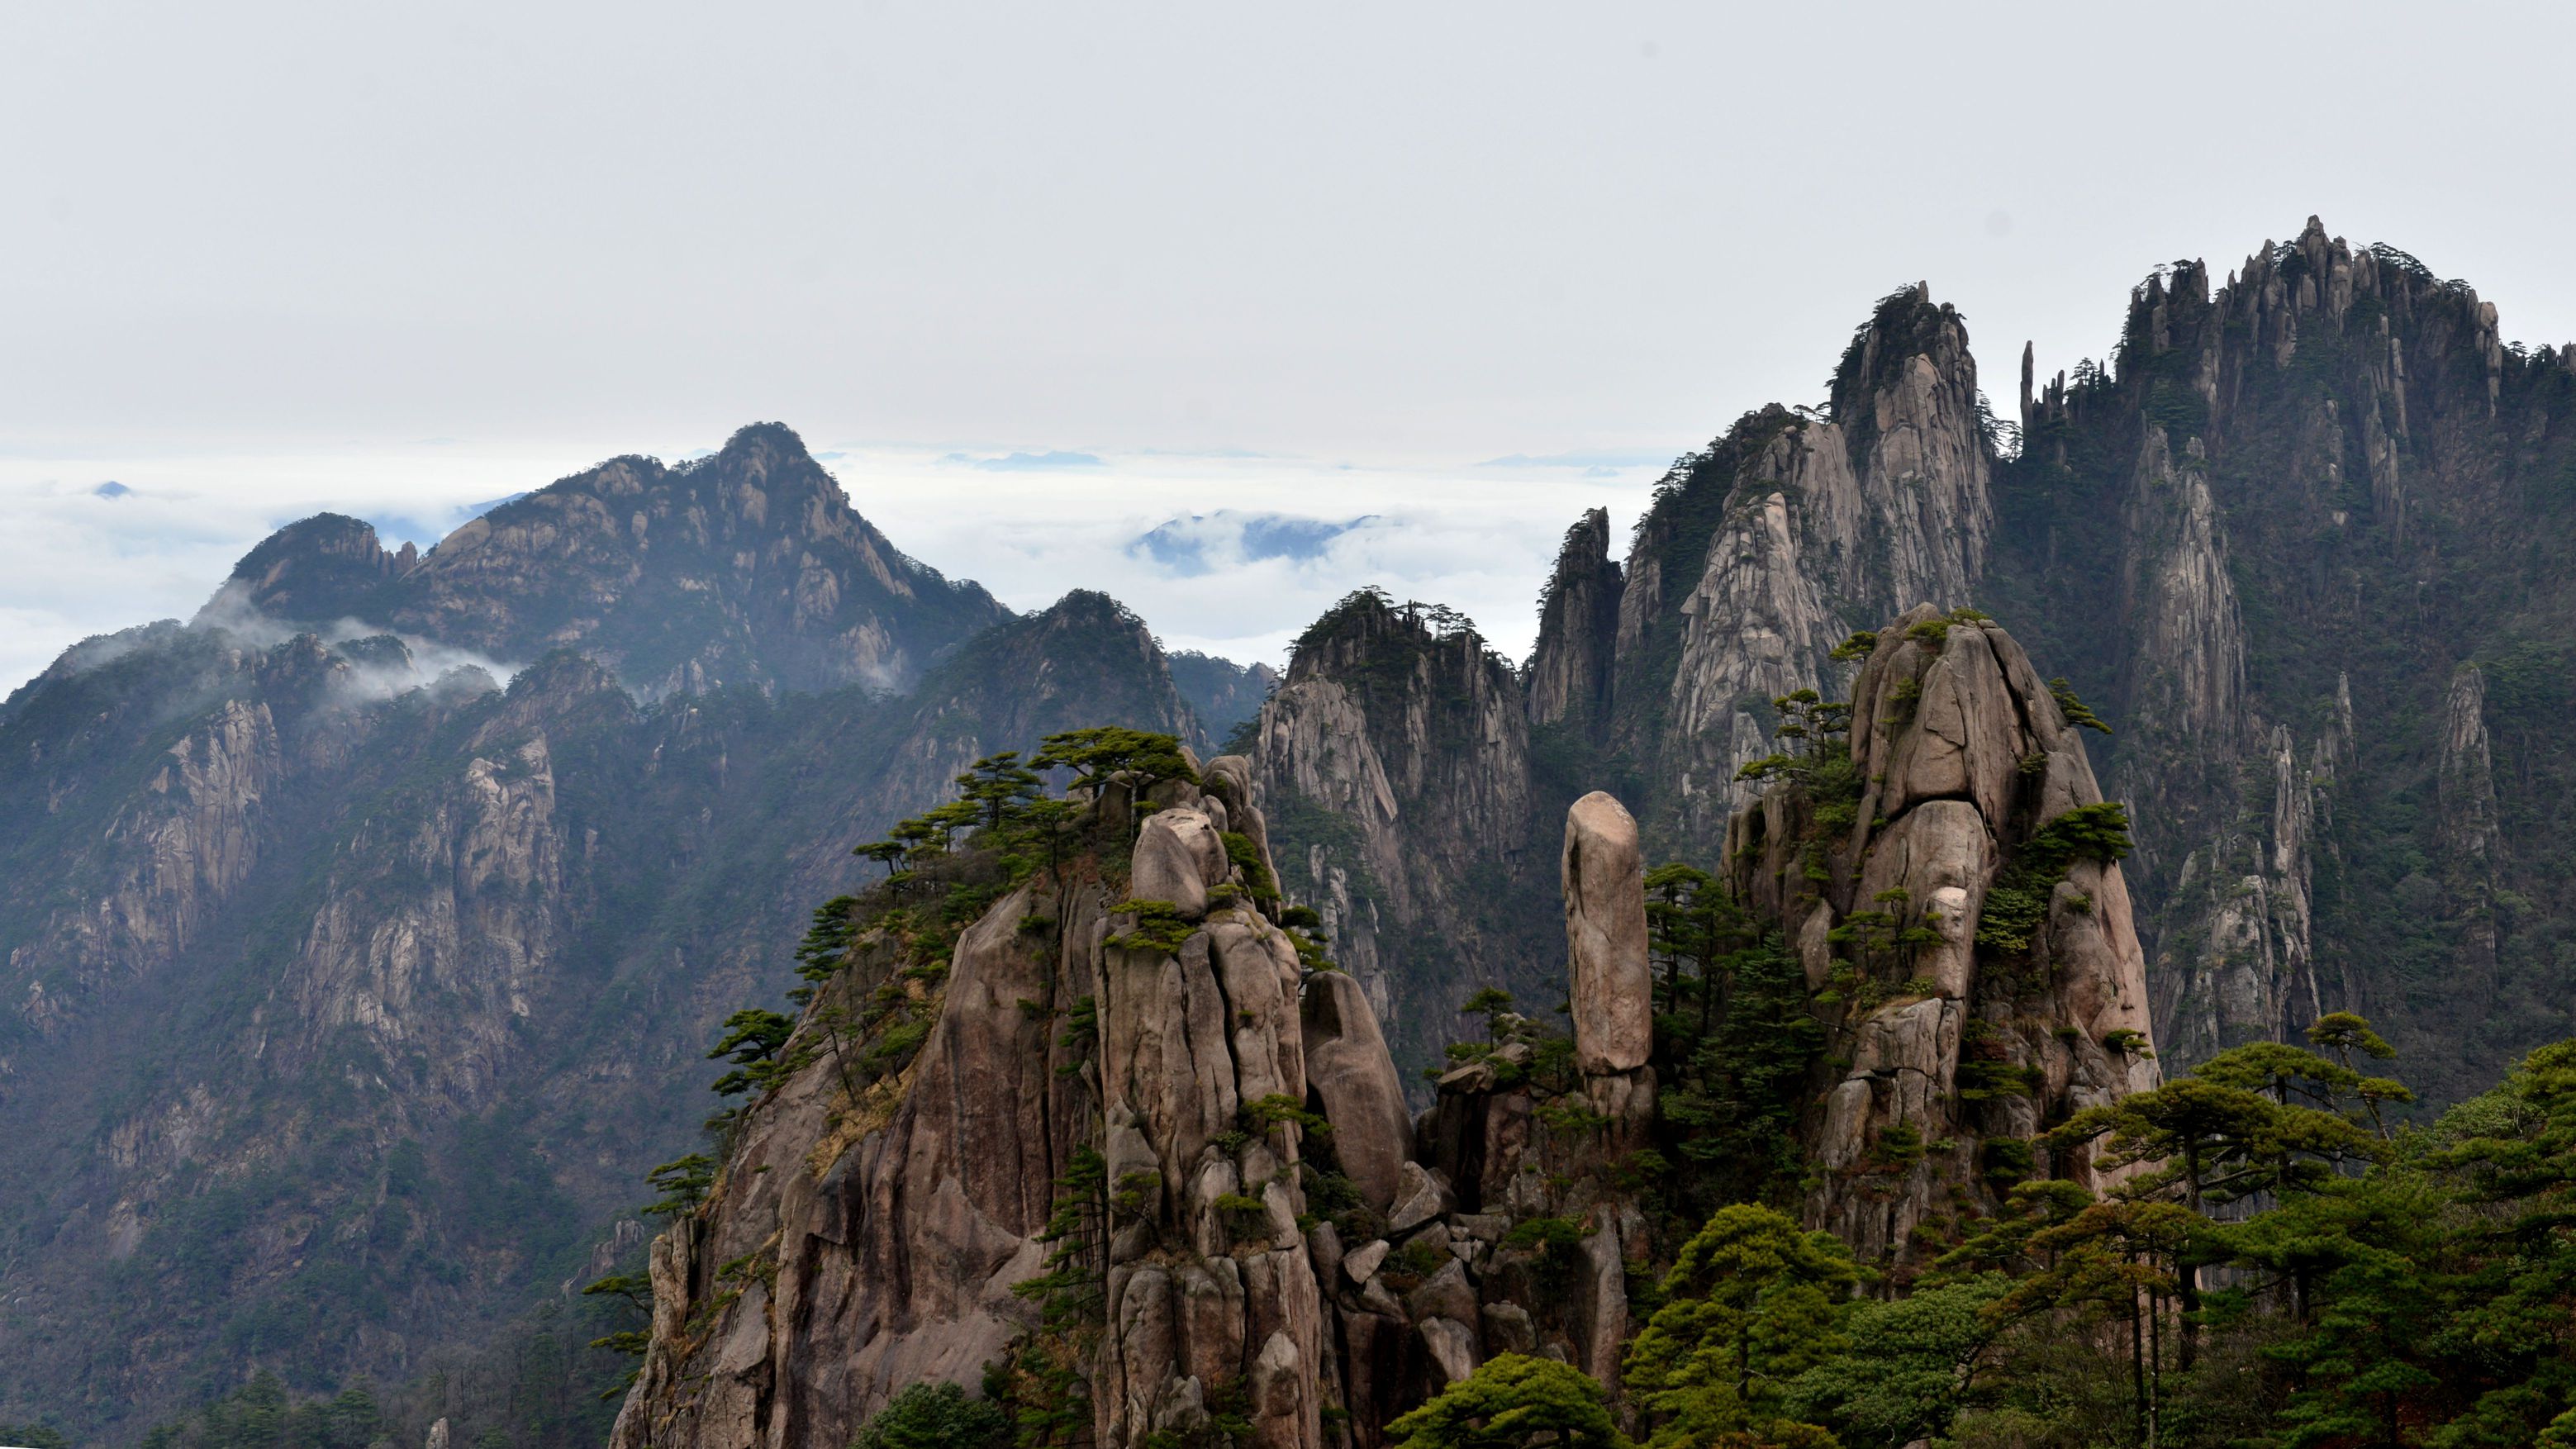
<point>1353,1077</point>
<point>1178,856</point>
<point>1605,933</point>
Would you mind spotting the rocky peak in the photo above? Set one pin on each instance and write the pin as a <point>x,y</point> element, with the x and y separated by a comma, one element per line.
<point>1569,674</point>
<point>1971,927</point>
<point>320,569</point>
<point>1395,756</point>
<point>748,567</point>
<point>1081,660</point>
<point>1763,549</point>
<point>2292,452</point>
<point>1905,395</point>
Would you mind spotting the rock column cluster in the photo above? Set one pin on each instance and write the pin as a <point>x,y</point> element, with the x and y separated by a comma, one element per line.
<point>859,1244</point>
<point>1965,755</point>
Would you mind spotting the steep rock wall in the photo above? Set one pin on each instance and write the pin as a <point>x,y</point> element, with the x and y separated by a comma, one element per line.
<point>885,1228</point>
<point>1568,678</point>
<point>1394,759</point>
<point>1765,550</point>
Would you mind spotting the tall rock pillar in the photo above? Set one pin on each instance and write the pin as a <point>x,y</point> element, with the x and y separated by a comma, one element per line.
<point>1605,935</point>
<point>1613,987</point>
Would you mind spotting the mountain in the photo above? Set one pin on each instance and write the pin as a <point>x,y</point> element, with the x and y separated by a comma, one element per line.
<point>352,991</point>
<point>362,940</point>
<point>747,567</point>
<point>1435,770</point>
<point>2297,541</point>
<point>1127,1155</point>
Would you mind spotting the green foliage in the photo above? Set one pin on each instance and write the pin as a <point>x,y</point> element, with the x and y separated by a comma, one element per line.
<point>2006,1162</point>
<point>2217,1143</point>
<point>753,1041</point>
<point>1496,1006</point>
<point>1246,856</point>
<point>827,942</point>
<point>1093,755</point>
<point>1936,632</point>
<point>2077,712</point>
<point>1815,730</point>
<point>261,1414</point>
<point>2018,904</point>
<point>2127,1042</point>
<point>1513,1402</point>
<point>682,1183</point>
<point>1915,1362</point>
<point>1072,1292</point>
<point>936,1416</point>
<point>1414,1261</point>
<point>1732,1106</point>
<point>635,1290</point>
<point>1158,927</point>
<point>1817,762</point>
<point>1751,1302</point>
<point>1555,1246</point>
<point>1264,1113</point>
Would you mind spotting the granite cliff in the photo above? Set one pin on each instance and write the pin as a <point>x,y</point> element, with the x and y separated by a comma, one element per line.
<point>347,992</point>
<point>1137,1093</point>
<point>1965,924</point>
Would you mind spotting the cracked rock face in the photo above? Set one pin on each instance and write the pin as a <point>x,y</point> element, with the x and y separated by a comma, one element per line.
<point>891,1222</point>
<point>873,1236</point>
<point>1964,755</point>
<point>1354,1079</point>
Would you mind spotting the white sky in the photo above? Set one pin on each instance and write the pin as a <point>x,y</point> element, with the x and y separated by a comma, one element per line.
<point>258,259</point>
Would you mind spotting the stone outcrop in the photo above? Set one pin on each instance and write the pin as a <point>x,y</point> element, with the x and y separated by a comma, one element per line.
<point>1354,1081</point>
<point>862,1238</point>
<point>1951,1038</point>
<point>1605,933</point>
<point>890,1223</point>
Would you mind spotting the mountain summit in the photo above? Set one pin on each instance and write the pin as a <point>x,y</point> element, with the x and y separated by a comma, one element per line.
<point>746,567</point>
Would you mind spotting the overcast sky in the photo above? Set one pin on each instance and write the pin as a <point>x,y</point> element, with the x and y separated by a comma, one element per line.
<point>258,259</point>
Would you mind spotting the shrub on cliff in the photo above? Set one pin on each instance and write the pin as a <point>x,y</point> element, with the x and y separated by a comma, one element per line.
<point>935,1416</point>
